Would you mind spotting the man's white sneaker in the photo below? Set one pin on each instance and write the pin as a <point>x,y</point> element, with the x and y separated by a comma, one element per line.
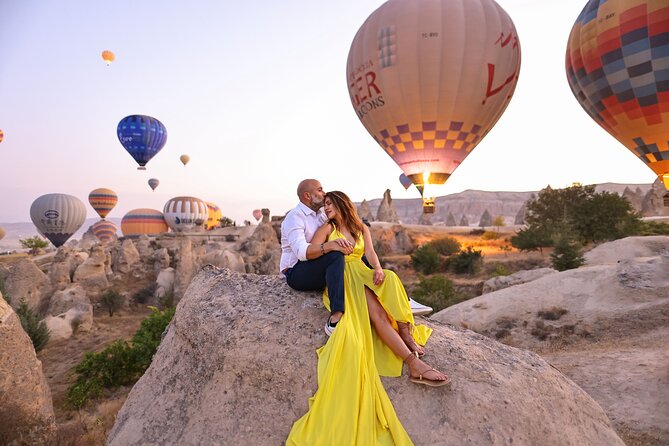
<point>329,329</point>
<point>419,309</point>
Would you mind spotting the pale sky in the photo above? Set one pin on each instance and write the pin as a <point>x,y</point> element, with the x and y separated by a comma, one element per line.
<point>255,92</point>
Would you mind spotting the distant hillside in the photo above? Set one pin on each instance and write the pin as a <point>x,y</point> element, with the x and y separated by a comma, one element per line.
<point>16,231</point>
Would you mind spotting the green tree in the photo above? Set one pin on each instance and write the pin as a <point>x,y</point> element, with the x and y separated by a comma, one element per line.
<point>34,244</point>
<point>425,259</point>
<point>531,239</point>
<point>112,301</point>
<point>33,326</point>
<point>567,254</point>
<point>498,222</point>
<point>225,222</point>
<point>468,261</point>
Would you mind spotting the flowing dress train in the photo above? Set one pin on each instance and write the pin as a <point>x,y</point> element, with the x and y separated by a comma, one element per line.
<point>350,406</point>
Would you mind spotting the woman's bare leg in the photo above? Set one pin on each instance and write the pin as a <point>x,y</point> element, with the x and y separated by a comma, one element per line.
<point>392,339</point>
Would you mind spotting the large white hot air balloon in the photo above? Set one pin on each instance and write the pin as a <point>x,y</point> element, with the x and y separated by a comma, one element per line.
<point>58,216</point>
<point>185,214</point>
<point>429,78</point>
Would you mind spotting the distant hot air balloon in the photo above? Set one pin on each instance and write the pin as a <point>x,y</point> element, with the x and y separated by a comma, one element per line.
<point>257,214</point>
<point>153,183</point>
<point>108,57</point>
<point>142,136</point>
<point>143,221</point>
<point>405,181</point>
<point>104,230</point>
<point>429,78</point>
<point>617,66</point>
<point>184,159</point>
<point>214,215</point>
<point>2,136</point>
<point>2,233</point>
<point>184,214</point>
<point>103,200</point>
<point>57,216</point>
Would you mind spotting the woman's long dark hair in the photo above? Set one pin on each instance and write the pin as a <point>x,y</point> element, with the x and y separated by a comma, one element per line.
<point>346,209</point>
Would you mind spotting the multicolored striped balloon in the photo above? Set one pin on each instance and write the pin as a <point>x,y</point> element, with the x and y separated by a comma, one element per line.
<point>104,230</point>
<point>142,136</point>
<point>103,200</point>
<point>214,215</point>
<point>57,216</point>
<point>184,214</point>
<point>617,66</point>
<point>143,221</point>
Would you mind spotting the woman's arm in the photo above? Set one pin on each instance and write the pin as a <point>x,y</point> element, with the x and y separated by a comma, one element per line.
<point>319,246</point>
<point>372,258</point>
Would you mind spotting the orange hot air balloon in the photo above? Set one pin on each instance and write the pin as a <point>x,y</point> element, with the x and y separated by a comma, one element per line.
<point>103,200</point>
<point>257,214</point>
<point>429,78</point>
<point>184,159</point>
<point>143,221</point>
<point>2,136</point>
<point>616,63</point>
<point>108,57</point>
<point>214,215</point>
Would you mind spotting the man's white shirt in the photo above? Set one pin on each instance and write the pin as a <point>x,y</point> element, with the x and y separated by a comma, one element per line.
<point>297,230</point>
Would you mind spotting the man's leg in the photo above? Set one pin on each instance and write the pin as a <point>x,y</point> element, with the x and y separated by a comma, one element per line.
<point>314,275</point>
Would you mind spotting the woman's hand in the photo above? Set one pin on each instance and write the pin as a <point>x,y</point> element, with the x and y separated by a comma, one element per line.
<point>379,276</point>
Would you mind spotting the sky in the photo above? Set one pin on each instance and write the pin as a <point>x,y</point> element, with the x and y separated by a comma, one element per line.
<point>255,93</point>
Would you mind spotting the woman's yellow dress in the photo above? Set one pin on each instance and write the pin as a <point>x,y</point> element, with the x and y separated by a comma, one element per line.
<point>351,407</point>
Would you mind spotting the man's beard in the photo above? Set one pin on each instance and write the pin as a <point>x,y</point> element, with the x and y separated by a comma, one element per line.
<point>316,205</point>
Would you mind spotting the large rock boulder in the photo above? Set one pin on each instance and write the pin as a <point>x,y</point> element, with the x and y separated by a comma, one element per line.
<point>92,274</point>
<point>186,266</point>
<point>261,251</point>
<point>653,201</point>
<point>69,310</point>
<point>125,257</point>
<point>364,211</point>
<point>253,357</point>
<point>26,281</point>
<point>26,408</point>
<point>392,239</point>
<point>164,283</point>
<point>65,262</point>
<point>386,211</point>
<point>500,282</point>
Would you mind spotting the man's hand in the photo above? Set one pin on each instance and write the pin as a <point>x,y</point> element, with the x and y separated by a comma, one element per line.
<point>340,244</point>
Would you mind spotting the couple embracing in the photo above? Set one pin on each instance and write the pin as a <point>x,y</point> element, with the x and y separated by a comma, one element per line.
<point>371,326</point>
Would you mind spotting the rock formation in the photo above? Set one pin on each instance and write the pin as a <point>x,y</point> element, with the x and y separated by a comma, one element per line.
<point>26,409</point>
<point>365,212</point>
<point>634,197</point>
<point>261,251</point>
<point>450,220</point>
<point>425,219</point>
<point>252,358</point>
<point>486,219</point>
<point>92,274</point>
<point>265,215</point>
<point>653,202</point>
<point>69,310</point>
<point>464,221</point>
<point>392,240</point>
<point>386,211</point>
<point>500,282</point>
<point>521,215</point>
<point>26,281</point>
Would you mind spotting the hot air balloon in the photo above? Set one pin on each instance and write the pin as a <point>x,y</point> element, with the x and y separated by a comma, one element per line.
<point>405,181</point>
<point>184,159</point>
<point>214,215</point>
<point>185,214</point>
<point>2,136</point>
<point>429,78</point>
<point>102,200</point>
<point>104,230</point>
<point>257,214</point>
<point>2,233</point>
<point>143,221</point>
<point>57,216</point>
<point>616,63</point>
<point>108,57</point>
<point>142,136</point>
<point>153,183</point>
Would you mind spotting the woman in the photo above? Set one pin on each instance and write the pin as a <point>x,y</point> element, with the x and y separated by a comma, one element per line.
<point>351,406</point>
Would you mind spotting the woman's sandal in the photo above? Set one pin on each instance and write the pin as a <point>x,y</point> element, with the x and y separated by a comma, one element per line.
<point>420,379</point>
<point>406,333</point>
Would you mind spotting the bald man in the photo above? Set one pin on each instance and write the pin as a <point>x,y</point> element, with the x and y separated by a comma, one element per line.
<point>310,267</point>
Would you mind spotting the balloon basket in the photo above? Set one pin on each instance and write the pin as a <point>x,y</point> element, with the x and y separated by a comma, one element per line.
<point>141,168</point>
<point>665,199</point>
<point>428,205</point>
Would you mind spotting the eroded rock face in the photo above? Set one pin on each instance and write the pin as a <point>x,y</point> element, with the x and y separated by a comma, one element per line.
<point>365,212</point>
<point>125,257</point>
<point>92,274</point>
<point>26,281</point>
<point>26,408</point>
<point>261,251</point>
<point>499,282</point>
<point>386,211</point>
<point>252,357</point>
<point>653,201</point>
<point>186,266</point>
<point>392,240</point>
<point>69,309</point>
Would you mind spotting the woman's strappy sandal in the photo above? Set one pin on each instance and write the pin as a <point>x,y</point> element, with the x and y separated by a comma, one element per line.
<point>406,333</point>
<point>420,380</point>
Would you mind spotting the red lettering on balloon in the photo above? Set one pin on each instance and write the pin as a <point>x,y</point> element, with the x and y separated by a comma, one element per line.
<point>363,88</point>
<point>492,90</point>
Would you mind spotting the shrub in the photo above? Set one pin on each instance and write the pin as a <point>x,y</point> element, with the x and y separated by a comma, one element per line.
<point>36,329</point>
<point>552,314</point>
<point>446,245</point>
<point>437,292</point>
<point>500,270</point>
<point>566,255</point>
<point>425,259</point>
<point>166,301</point>
<point>226,221</point>
<point>467,262</point>
<point>120,363</point>
<point>490,235</point>
<point>145,295</point>
<point>111,301</point>
<point>33,244</point>
<point>3,291</point>
<point>653,228</point>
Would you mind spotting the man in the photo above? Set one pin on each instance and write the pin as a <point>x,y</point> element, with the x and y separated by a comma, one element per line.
<point>310,267</point>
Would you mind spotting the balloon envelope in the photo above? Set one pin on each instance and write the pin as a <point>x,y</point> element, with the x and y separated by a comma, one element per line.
<point>2,136</point>
<point>143,221</point>
<point>153,183</point>
<point>184,159</point>
<point>102,200</point>
<point>104,230</point>
<point>617,66</point>
<point>257,214</point>
<point>2,233</point>
<point>214,215</point>
<point>108,57</point>
<point>57,216</point>
<point>429,78</point>
<point>142,136</point>
<point>184,214</point>
<point>405,181</point>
